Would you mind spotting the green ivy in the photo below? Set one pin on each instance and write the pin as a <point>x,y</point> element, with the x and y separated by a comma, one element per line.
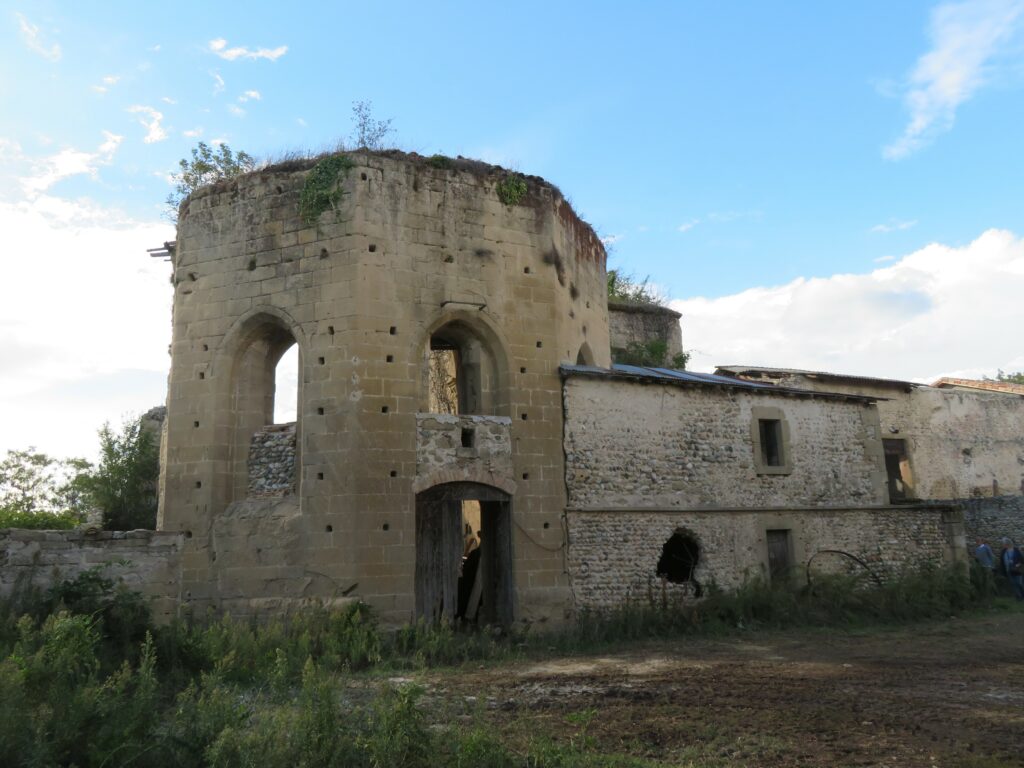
<point>322,189</point>
<point>511,189</point>
<point>439,161</point>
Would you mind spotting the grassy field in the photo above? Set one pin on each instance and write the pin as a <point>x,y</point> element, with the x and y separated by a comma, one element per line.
<point>922,671</point>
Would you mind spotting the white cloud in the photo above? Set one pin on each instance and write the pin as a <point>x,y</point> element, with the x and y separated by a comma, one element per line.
<point>935,311</point>
<point>300,122</point>
<point>218,83</point>
<point>893,225</point>
<point>967,38</point>
<point>168,100</point>
<point>193,133</point>
<point>30,36</point>
<point>154,130</point>
<point>250,96</point>
<point>107,82</point>
<point>611,239</point>
<point>45,172</point>
<point>236,110</point>
<point>83,324</point>
<point>686,226</point>
<point>220,48</point>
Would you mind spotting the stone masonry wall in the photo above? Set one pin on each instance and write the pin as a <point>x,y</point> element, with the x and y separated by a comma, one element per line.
<point>144,561</point>
<point>272,461</point>
<point>629,444</point>
<point>441,456</point>
<point>413,247</point>
<point>639,324</point>
<point>993,518</point>
<point>962,444</point>
<point>613,554</point>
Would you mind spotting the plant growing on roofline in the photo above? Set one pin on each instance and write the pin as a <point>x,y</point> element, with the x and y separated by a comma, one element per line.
<point>207,166</point>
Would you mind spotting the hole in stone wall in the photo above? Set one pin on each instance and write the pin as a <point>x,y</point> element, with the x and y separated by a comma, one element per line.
<point>329,528</point>
<point>321,360</point>
<point>372,248</point>
<point>199,483</point>
<point>251,266</point>
<point>523,417</point>
<point>330,329</point>
<point>206,347</point>
<point>385,527</point>
<point>362,176</point>
<point>468,437</point>
<point>522,370</point>
<point>540,344</point>
<point>526,270</point>
<point>202,375</point>
<point>323,253</point>
<point>393,330</point>
<point>394,473</point>
<point>526,475</point>
<point>390,358</point>
<point>319,475</point>
<point>546,526</point>
<point>319,411</point>
<point>195,424</point>
<point>449,259</point>
<point>678,562</point>
<point>188,534</point>
<point>384,409</point>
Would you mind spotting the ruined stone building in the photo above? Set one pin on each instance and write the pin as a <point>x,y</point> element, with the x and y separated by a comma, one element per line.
<point>463,445</point>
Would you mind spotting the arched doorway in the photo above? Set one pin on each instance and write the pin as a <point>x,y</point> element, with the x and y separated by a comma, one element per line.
<point>456,580</point>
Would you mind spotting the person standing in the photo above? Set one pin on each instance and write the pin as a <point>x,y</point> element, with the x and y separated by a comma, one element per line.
<point>1012,565</point>
<point>984,555</point>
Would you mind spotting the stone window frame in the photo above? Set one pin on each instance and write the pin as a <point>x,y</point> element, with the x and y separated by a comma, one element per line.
<point>762,413</point>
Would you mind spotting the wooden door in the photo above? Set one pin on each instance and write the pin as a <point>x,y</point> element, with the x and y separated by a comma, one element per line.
<point>780,557</point>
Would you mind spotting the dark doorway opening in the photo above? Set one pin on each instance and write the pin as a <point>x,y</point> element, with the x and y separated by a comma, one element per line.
<point>678,561</point>
<point>897,470</point>
<point>780,555</point>
<point>464,555</point>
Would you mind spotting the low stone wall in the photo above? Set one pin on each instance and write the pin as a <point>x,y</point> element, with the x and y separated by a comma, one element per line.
<point>613,554</point>
<point>144,561</point>
<point>993,518</point>
<point>272,461</point>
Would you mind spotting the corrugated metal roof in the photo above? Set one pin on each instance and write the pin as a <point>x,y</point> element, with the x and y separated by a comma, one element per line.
<point>671,376</point>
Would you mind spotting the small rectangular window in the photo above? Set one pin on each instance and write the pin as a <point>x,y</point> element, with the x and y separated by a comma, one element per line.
<point>771,442</point>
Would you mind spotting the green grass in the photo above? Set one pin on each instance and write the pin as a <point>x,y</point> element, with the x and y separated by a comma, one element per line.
<point>86,680</point>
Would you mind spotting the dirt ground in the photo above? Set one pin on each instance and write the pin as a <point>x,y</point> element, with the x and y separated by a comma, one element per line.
<point>936,694</point>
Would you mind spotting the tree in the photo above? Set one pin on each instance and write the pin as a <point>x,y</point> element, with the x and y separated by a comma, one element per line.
<point>207,166</point>
<point>35,491</point>
<point>124,484</point>
<point>625,288</point>
<point>369,132</point>
<point>1010,378</point>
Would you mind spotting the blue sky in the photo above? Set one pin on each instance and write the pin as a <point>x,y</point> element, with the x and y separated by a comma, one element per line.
<point>813,184</point>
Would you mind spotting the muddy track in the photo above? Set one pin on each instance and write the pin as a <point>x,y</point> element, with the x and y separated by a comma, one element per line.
<point>941,694</point>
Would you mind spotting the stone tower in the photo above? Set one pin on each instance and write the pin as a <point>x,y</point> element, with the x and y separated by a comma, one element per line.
<point>415,266</point>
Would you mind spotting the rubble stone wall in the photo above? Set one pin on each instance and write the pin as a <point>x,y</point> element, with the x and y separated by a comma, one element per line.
<point>614,553</point>
<point>631,443</point>
<point>272,461</point>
